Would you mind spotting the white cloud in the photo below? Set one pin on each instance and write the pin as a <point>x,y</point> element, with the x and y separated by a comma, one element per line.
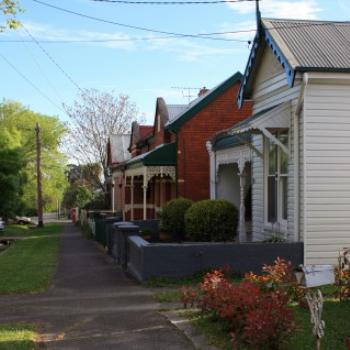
<point>184,49</point>
<point>46,32</point>
<point>301,9</point>
<point>191,51</point>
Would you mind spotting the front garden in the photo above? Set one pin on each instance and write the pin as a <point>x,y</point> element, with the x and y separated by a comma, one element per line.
<point>266,311</point>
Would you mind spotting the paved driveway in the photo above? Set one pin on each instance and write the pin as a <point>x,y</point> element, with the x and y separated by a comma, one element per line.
<point>93,305</point>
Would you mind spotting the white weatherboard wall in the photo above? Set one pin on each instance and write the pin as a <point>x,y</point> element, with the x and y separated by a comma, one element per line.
<point>269,90</point>
<point>326,167</point>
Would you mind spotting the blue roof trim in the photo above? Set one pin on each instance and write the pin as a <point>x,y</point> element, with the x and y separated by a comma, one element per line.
<point>288,69</point>
<point>259,41</point>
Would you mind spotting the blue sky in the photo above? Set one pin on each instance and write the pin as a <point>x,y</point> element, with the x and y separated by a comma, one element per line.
<point>142,69</point>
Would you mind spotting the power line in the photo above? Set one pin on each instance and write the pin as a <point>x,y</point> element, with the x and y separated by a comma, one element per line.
<point>100,41</point>
<point>42,72</point>
<point>29,81</point>
<point>199,2</point>
<point>53,60</point>
<point>197,36</point>
<point>208,36</point>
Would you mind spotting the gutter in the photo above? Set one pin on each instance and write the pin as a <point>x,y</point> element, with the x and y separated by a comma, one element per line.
<point>299,108</point>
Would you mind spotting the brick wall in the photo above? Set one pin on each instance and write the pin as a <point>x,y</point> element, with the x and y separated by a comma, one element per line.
<point>193,158</point>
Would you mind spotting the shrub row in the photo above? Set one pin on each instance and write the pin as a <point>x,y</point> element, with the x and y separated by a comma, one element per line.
<point>203,221</point>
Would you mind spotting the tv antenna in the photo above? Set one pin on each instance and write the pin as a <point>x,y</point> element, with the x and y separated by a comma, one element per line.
<point>187,92</point>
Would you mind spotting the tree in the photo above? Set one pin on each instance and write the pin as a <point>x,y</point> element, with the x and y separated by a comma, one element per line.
<point>20,122</point>
<point>76,196</point>
<point>11,176</point>
<point>87,175</point>
<point>95,115</point>
<point>9,10</point>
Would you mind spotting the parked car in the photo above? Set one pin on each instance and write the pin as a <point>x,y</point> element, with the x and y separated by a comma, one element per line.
<point>2,225</point>
<point>23,220</point>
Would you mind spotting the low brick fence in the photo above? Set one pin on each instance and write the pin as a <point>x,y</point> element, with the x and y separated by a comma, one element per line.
<point>174,260</point>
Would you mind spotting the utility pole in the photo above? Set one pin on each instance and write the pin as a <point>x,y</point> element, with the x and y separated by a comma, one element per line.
<point>38,176</point>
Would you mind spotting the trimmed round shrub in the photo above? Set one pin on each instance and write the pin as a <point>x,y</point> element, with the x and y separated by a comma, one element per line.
<point>211,221</point>
<point>173,217</point>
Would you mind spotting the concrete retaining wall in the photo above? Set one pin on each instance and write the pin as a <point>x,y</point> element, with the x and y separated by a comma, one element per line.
<point>147,260</point>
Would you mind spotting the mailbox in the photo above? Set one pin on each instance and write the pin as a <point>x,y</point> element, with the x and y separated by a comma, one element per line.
<point>316,275</point>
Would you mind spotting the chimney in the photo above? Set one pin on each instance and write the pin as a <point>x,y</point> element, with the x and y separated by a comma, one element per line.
<point>202,91</point>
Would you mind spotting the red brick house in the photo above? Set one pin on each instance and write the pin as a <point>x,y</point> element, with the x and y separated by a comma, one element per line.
<point>170,159</point>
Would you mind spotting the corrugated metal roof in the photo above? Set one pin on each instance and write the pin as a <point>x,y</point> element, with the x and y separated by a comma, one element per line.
<point>119,147</point>
<point>312,44</point>
<point>175,110</point>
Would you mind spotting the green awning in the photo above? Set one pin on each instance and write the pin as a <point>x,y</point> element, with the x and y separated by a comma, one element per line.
<point>228,141</point>
<point>161,155</point>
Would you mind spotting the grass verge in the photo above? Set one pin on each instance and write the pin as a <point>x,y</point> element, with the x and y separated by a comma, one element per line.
<point>29,231</point>
<point>17,337</point>
<point>168,296</point>
<point>28,265</point>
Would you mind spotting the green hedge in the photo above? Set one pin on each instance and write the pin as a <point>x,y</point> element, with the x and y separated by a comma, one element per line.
<point>211,221</point>
<point>173,217</point>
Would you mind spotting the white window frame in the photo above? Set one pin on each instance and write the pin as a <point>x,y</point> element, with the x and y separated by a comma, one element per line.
<point>280,226</point>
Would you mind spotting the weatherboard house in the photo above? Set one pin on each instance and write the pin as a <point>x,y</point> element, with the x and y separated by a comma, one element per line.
<point>169,159</point>
<point>294,149</point>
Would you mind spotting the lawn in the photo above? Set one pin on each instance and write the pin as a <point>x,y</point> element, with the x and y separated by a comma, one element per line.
<point>29,231</point>
<point>29,264</point>
<point>17,337</point>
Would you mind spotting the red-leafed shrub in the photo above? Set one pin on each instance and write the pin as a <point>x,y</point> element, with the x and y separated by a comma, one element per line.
<point>281,272</point>
<point>257,316</point>
<point>279,276</point>
<point>189,296</point>
<point>347,343</point>
<point>271,323</point>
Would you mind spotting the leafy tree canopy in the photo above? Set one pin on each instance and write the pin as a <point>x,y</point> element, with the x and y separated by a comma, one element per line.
<point>11,173</point>
<point>18,123</point>
<point>8,10</point>
<point>76,196</point>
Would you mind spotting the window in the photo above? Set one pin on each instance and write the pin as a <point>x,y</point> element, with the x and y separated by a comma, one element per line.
<point>277,180</point>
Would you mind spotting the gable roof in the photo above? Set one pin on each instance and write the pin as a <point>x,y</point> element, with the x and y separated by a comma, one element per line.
<point>174,111</point>
<point>167,112</point>
<point>199,103</point>
<point>300,45</point>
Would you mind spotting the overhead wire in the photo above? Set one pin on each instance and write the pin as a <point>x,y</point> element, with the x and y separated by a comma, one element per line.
<point>100,41</point>
<point>42,72</point>
<point>185,2</point>
<point>207,36</point>
<point>24,77</point>
<point>68,76</point>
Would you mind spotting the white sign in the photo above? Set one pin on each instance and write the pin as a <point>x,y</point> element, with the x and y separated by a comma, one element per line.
<point>318,275</point>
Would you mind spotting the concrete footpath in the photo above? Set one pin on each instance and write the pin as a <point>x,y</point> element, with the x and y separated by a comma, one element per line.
<point>93,305</point>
